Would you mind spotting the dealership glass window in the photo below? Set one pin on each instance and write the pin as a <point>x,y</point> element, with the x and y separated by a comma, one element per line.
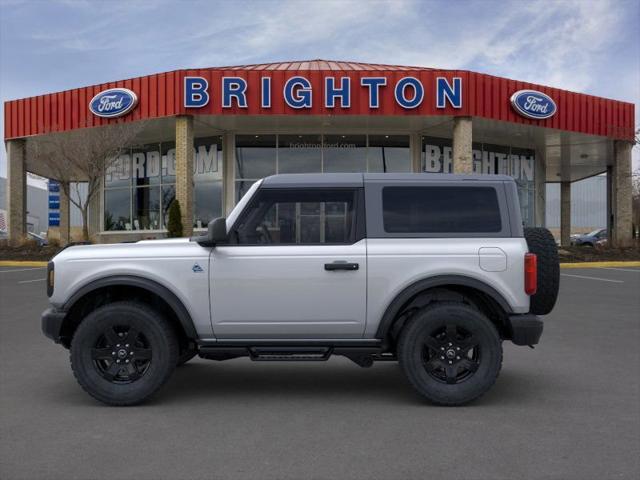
<point>344,153</point>
<point>168,162</point>
<point>118,173</point>
<point>255,156</point>
<point>389,153</point>
<point>147,174</point>
<point>436,155</point>
<point>146,208</point>
<point>489,159</point>
<point>207,179</point>
<point>258,156</point>
<point>298,217</point>
<point>435,209</point>
<point>145,165</point>
<point>168,195</point>
<point>299,153</point>
<point>117,209</point>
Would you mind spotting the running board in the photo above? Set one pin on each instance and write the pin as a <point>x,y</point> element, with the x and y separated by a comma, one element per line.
<point>363,355</point>
<point>290,354</point>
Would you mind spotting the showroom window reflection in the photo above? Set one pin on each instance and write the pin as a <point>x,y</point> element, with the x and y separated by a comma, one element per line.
<point>258,156</point>
<point>140,186</point>
<point>489,159</point>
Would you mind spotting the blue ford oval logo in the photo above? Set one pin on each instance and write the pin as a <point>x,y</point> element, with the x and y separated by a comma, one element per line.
<point>533,104</point>
<point>114,102</point>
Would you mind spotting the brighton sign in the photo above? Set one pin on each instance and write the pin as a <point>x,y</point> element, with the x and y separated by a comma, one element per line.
<point>297,92</point>
<point>533,104</point>
<point>113,103</point>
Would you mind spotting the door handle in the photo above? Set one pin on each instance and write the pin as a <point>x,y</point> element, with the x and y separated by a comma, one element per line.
<point>341,265</point>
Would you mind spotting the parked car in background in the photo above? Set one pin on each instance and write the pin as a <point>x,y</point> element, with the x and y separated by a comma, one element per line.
<point>589,239</point>
<point>39,239</point>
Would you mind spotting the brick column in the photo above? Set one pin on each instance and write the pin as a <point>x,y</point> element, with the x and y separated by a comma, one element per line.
<point>540,182</point>
<point>65,221</point>
<point>565,213</point>
<point>184,171</point>
<point>621,186</point>
<point>16,191</point>
<point>462,149</point>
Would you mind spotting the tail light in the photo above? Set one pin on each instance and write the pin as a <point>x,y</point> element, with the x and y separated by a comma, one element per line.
<point>530,273</point>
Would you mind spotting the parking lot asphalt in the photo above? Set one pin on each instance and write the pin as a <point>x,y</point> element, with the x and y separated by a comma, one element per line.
<point>570,409</point>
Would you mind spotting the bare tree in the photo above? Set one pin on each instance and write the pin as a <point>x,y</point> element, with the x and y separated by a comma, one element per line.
<point>82,156</point>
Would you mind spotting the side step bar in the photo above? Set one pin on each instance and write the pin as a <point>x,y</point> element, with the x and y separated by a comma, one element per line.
<point>290,354</point>
<point>363,355</point>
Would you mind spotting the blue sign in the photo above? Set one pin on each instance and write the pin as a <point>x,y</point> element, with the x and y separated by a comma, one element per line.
<point>54,219</point>
<point>54,186</point>
<point>114,102</point>
<point>54,203</point>
<point>533,104</point>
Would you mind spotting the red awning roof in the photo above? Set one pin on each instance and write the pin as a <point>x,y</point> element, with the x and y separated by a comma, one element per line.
<point>161,95</point>
<point>320,64</point>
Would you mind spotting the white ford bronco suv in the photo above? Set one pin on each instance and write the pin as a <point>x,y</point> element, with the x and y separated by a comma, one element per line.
<point>434,271</point>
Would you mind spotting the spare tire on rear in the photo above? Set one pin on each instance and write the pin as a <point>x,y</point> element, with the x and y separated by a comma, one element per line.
<point>542,243</point>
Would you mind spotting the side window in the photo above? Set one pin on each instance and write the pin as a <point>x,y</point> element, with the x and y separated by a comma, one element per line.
<point>435,209</point>
<point>298,217</point>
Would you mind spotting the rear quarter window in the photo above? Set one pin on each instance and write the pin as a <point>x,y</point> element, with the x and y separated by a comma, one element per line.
<point>440,209</point>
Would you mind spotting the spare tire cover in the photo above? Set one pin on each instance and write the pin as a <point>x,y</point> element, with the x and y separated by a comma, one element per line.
<point>542,243</point>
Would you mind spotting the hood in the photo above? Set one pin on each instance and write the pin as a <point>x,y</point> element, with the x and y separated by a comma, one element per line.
<point>170,247</point>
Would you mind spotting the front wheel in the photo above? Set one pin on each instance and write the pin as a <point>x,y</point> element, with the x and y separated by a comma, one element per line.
<point>450,352</point>
<point>123,352</point>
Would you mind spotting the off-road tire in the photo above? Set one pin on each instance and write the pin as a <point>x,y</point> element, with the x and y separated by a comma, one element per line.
<point>156,339</point>
<point>411,352</point>
<point>541,242</point>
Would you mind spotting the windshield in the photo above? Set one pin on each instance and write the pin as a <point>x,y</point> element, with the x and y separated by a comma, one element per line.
<point>594,233</point>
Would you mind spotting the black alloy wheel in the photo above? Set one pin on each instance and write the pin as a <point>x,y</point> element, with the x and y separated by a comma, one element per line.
<point>123,352</point>
<point>450,352</point>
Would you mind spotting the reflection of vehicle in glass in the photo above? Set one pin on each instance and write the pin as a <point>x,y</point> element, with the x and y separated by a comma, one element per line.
<point>589,239</point>
<point>39,239</point>
<point>433,271</point>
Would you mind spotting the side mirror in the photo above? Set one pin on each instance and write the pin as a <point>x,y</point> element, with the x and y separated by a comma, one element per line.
<point>216,233</point>
<point>217,230</point>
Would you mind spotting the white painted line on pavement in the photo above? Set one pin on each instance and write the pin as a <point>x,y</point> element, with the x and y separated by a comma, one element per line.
<point>22,269</point>
<point>36,280</point>
<point>637,270</point>
<point>592,278</point>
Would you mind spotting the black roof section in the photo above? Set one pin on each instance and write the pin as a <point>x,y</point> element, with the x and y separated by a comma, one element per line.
<point>289,180</point>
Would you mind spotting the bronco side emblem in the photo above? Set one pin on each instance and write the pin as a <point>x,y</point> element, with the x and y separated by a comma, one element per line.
<point>197,268</point>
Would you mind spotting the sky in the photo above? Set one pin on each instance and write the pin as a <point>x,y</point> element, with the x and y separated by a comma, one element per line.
<point>582,45</point>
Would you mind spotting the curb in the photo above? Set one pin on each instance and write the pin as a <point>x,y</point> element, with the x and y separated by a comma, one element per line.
<point>21,263</point>
<point>600,264</point>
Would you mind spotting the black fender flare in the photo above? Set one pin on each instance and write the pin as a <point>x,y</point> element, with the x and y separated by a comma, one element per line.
<point>438,281</point>
<point>140,282</point>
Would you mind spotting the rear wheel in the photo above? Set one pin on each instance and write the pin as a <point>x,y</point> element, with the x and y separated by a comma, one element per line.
<point>123,352</point>
<point>450,352</point>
